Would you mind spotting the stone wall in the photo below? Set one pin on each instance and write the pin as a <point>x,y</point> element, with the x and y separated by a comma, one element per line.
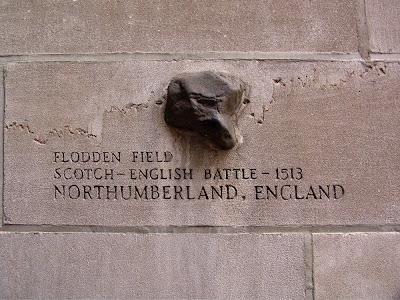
<point>103,199</point>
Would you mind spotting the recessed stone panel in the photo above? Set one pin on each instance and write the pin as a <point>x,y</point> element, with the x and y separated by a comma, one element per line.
<point>384,25</point>
<point>153,266</point>
<point>87,144</point>
<point>177,26</point>
<point>357,266</point>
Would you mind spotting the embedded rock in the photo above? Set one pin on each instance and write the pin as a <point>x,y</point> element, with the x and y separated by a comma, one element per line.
<point>207,103</point>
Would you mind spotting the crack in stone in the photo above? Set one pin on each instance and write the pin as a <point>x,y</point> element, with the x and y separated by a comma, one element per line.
<point>129,107</point>
<point>292,86</point>
<point>42,139</point>
<point>282,87</point>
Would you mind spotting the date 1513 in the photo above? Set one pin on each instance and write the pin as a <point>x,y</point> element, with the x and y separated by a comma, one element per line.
<point>289,173</point>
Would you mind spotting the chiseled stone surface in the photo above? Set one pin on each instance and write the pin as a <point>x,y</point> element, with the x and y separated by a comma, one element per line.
<point>338,122</point>
<point>152,266</point>
<point>384,26</point>
<point>357,266</point>
<point>176,26</point>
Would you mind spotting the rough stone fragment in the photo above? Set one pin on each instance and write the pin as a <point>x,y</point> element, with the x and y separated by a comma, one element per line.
<point>151,266</point>
<point>207,103</point>
<point>357,266</point>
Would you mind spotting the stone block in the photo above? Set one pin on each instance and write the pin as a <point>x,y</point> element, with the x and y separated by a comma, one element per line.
<point>87,144</point>
<point>176,26</point>
<point>151,266</point>
<point>384,25</point>
<point>357,266</point>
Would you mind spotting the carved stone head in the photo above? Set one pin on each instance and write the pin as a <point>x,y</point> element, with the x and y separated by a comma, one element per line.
<point>207,103</point>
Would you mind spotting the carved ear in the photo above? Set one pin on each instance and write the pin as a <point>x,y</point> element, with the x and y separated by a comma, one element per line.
<point>207,103</point>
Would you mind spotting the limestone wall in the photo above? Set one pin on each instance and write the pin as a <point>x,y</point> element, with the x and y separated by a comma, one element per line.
<point>103,199</point>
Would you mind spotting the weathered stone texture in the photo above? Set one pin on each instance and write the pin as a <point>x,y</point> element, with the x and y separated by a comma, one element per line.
<point>357,266</point>
<point>384,25</point>
<point>190,266</point>
<point>337,121</point>
<point>176,26</point>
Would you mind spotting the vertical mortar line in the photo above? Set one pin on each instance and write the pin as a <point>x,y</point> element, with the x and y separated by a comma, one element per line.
<point>313,264</point>
<point>362,30</point>
<point>2,106</point>
<point>309,265</point>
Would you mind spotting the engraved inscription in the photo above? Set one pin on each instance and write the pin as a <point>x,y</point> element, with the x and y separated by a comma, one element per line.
<point>152,175</point>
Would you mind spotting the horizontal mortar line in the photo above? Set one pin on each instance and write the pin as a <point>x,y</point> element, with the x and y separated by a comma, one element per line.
<point>385,57</point>
<point>291,56</point>
<point>204,229</point>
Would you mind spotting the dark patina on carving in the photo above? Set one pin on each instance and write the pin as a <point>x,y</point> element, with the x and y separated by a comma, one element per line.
<point>207,103</point>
